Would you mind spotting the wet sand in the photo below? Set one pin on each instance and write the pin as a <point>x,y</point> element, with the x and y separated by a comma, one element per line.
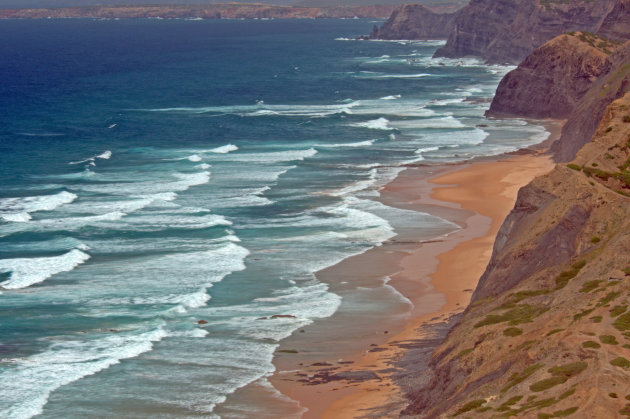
<point>342,367</point>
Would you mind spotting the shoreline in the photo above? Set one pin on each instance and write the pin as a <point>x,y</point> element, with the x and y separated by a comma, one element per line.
<point>477,196</point>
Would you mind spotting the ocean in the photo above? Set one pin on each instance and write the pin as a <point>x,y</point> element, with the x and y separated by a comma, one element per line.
<point>167,187</point>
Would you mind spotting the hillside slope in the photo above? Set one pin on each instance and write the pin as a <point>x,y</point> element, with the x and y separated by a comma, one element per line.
<point>506,31</point>
<point>550,81</point>
<point>414,21</point>
<point>547,333</point>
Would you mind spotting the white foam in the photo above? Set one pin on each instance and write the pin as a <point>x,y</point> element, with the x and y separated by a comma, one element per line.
<point>396,76</point>
<point>426,149</point>
<point>34,378</point>
<point>194,158</point>
<point>203,166</point>
<point>106,155</point>
<point>29,271</point>
<point>224,149</point>
<point>357,144</point>
<point>275,156</point>
<point>435,123</point>
<point>184,181</point>
<point>392,97</point>
<point>19,209</point>
<point>380,123</point>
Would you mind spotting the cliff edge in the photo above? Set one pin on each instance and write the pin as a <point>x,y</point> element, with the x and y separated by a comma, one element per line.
<point>550,81</point>
<point>547,333</point>
<point>506,31</point>
<point>414,21</point>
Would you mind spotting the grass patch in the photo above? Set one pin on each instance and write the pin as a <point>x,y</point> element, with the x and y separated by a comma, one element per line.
<point>464,352</point>
<point>608,340</point>
<point>626,118</point>
<point>554,331</point>
<point>590,344</point>
<point>518,378</point>
<point>620,362</point>
<point>474,404</point>
<point>574,167</point>
<point>513,331</point>
<point>608,298</point>
<point>590,285</point>
<point>564,277</point>
<point>548,383</point>
<point>583,313</point>
<point>609,129</point>
<point>612,395</point>
<point>568,370</point>
<point>521,295</point>
<point>596,319</point>
<point>595,239</point>
<point>623,322</point>
<point>566,394</point>
<point>565,412</point>
<point>519,314</point>
<point>626,271</point>
<point>618,310</point>
<point>625,410</point>
<point>625,346</point>
<point>507,405</point>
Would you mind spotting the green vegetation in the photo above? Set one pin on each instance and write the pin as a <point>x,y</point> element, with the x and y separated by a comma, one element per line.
<point>612,395</point>
<point>524,313</point>
<point>564,277</point>
<point>547,383</point>
<point>513,331</point>
<point>623,322</point>
<point>507,405</point>
<point>574,167</point>
<point>625,410</point>
<point>565,412</point>
<point>474,404</point>
<point>560,375</point>
<point>589,344</point>
<point>518,378</point>
<point>288,351</point>
<point>554,331</point>
<point>608,298</point>
<point>596,319</point>
<point>566,394</point>
<point>464,352</point>
<point>626,270</point>
<point>618,310</point>
<point>609,129</point>
<point>608,340</point>
<point>626,118</point>
<point>594,164</point>
<point>595,239</point>
<point>522,295</point>
<point>568,370</point>
<point>583,313</point>
<point>590,285</point>
<point>620,362</point>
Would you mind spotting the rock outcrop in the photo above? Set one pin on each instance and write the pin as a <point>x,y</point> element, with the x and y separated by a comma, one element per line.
<point>414,21</point>
<point>550,81</point>
<point>547,333</point>
<point>584,120</point>
<point>506,31</point>
<point>616,25</point>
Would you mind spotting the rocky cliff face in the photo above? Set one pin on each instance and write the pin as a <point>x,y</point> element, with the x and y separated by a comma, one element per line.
<point>584,120</point>
<point>506,31</point>
<point>550,81</point>
<point>547,333</point>
<point>616,25</point>
<point>414,21</point>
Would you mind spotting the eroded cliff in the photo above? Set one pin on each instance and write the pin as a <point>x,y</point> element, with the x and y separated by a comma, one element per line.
<point>506,31</point>
<point>550,81</point>
<point>414,21</point>
<point>547,333</point>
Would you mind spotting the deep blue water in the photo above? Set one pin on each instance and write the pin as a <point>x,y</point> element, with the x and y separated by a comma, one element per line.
<point>154,173</point>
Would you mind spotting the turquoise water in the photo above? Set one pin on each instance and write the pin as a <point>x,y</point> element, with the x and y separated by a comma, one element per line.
<point>155,173</point>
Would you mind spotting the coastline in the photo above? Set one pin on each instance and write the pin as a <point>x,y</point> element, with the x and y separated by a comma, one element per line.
<point>437,276</point>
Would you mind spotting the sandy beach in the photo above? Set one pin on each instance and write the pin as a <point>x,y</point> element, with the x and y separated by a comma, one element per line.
<point>347,372</point>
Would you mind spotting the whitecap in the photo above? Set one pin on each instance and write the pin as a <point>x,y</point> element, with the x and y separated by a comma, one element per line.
<point>357,144</point>
<point>380,123</point>
<point>194,158</point>
<point>391,97</point>
<point>29,271</point>
<point>19,209</point>
<point>224,149</point>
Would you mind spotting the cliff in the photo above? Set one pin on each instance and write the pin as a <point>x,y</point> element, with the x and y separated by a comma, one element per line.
<point>550,81</point>
<point>584,120</point>
<point>547,333</point>
<point>506,31</point>
<point>210,11</point>
<point>414,21</point>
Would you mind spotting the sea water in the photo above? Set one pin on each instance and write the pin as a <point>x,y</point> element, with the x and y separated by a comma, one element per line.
<point>165,184</point>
